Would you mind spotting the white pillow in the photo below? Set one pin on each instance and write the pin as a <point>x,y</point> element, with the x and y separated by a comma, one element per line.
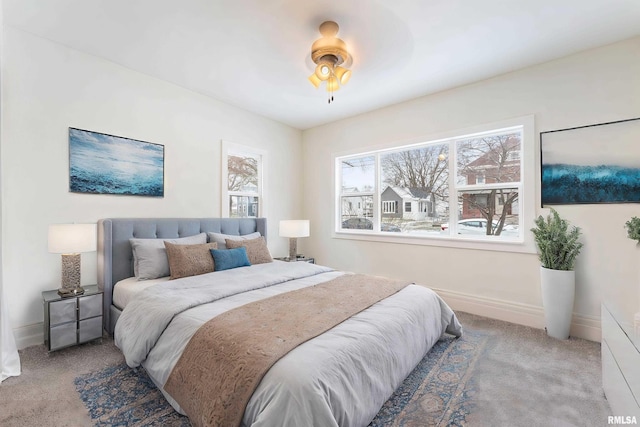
<point>220,238</point>
<point>150,256</point>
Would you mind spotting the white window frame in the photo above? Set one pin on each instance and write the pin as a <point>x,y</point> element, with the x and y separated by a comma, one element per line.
<point>526,199</point>
<point>461,188</point>
<point>230,148</point>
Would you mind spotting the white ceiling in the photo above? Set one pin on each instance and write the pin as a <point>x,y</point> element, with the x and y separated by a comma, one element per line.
<point>255,53</point>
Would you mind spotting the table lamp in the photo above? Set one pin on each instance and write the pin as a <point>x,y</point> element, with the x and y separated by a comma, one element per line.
<point>293,229</point>
<point>69,240</point>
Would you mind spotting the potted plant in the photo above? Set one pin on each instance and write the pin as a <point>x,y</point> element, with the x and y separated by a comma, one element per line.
<point>559,246</point>
<point>633,228</point>
<point>633,232</point>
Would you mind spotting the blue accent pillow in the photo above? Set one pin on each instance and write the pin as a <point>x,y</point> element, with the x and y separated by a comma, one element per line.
<point>225,259</point>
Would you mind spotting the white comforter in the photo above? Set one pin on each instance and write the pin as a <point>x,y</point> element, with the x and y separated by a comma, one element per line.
<point>340,378</point>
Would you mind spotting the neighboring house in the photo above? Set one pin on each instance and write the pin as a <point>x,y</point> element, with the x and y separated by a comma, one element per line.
<point>501,165</point>
<point>357,206</point>
<point>243,206</point>
<point>406,203</point>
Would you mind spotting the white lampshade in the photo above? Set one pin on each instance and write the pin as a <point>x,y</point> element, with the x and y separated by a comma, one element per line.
<point>294,228</point>
<point>72,238</point>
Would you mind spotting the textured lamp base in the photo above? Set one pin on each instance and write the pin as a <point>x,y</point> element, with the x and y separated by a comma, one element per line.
<point>293,248</point>
<point>70,276</point>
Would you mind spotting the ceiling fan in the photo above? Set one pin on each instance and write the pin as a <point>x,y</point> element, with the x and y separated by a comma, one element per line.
<point>329,53</point>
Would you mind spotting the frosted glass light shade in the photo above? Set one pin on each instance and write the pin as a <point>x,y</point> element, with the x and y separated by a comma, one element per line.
<point>72,238</point>
<point>323,72</point>
<point>294,228</point>
<point>332,84</point>
<point>315,80</point>
<point>342,74</point>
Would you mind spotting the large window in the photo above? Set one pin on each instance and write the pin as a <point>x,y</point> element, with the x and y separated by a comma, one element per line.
<point>466,187</point>
<point>242,181</point>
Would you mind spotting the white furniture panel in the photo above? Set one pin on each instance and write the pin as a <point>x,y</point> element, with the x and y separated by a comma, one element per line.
<point>620,368</point>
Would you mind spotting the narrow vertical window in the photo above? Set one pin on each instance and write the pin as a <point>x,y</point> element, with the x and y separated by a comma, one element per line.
<point>242,192</point>
<point>493,163</point>
<point>357,182</point>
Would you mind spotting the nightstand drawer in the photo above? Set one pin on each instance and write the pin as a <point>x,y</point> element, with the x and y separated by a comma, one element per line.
<point>90,329</point>
<point>90,306</point>
<point>63,335</point>
<point>62,311</point>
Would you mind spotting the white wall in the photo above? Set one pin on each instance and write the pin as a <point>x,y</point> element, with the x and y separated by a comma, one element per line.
<point>596,86</point>
<point>48,88</point>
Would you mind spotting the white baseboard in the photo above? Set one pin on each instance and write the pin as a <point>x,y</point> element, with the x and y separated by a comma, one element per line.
<point>29,335</point>
<point>587,327</point>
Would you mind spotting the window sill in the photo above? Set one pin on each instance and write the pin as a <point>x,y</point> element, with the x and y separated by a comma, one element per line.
<point>515,246</point>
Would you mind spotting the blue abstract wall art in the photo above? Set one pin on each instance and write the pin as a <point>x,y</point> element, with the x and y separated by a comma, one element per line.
<point>591,164</point>
<point>107,164</point>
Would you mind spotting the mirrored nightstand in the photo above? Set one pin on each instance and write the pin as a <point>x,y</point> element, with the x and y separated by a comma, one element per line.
<point>73,320</point>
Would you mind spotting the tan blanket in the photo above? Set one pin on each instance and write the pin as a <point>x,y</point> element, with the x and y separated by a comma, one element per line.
<point>227,357</point>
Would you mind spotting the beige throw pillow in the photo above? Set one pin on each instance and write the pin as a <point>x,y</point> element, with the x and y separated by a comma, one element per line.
<point>257,249</point>
<point>189,260</point>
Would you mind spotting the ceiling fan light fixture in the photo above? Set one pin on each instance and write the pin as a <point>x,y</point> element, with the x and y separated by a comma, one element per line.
<point>342,74</point>
<point>332,84</point>
<point>315,80</point>
<point>328,53</point>
<point>323,71</point>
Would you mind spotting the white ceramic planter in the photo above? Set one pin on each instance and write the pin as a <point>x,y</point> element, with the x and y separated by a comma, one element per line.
<point>558,292</point>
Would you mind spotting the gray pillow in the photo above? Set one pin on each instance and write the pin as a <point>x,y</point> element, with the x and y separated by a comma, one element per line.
<point>150,256</point>
<point>220,238</point>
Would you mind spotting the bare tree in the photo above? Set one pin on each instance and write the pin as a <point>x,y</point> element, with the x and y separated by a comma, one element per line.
<point>496,158</point>
<point>243,172</point>
<point>424,168</point>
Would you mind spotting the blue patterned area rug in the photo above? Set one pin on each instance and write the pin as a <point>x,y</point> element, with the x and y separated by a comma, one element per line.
<point>121,396</point>
<point>436,393</point>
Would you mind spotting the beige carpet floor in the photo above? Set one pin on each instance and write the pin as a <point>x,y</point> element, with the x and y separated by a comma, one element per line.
<point>524,378</point>
<point>528,379</point>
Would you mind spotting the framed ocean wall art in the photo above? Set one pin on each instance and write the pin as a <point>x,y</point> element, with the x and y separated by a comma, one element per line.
<point>106,164</point>
<point>591,164</point>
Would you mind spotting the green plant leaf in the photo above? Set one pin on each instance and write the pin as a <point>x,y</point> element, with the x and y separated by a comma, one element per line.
<point>633,228</point>
<point>558,243</point>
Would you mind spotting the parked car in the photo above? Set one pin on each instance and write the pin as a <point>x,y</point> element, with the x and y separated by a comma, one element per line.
<point>357,224</point>
<point>392,228</point>
<point>479,226</point>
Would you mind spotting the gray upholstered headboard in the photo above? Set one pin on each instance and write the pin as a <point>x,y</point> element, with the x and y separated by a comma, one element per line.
<point>114,250</point>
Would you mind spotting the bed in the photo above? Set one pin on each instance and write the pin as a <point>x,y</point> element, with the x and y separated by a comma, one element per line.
<point>339,377</point>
